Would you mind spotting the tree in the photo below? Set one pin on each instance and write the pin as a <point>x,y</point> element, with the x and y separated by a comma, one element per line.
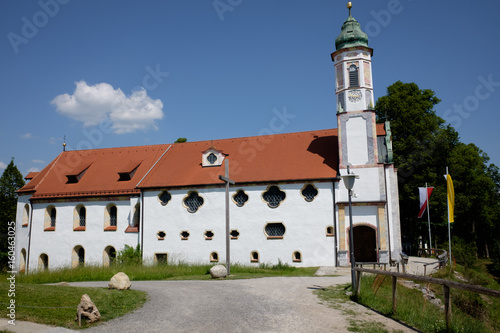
<point>10,182</point>
<point>423,147</point>
<point>180,140</point>
<point>421,144</point>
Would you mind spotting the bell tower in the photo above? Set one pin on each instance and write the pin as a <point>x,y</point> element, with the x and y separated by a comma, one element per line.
<point>355,101</point>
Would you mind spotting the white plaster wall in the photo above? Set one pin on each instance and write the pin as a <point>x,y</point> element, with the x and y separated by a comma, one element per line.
<point>393,212</point>
<point>22,233</point>
<point>305,224</point>
<point>59,244</point>
<point>369,187</point>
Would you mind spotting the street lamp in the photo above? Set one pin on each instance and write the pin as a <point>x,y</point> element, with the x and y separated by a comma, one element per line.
<point>349,183</point>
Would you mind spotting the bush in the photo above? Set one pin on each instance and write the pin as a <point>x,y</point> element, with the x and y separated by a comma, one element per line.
<point>129,256</point>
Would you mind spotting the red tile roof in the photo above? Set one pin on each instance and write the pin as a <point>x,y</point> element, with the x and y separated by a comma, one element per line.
<point>279,157</point>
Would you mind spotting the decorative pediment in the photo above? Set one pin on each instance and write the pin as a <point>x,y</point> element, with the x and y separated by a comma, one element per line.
<point>212,157</point>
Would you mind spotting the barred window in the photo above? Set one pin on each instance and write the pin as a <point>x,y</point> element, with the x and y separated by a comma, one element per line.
<point>309,192</point>
<point>53,217</point>
<point>82,213</point>
<point>273,196</point>
<point>193,201</point>
<point>164,197</point>
<point>275,230</point>
<point>161,258</point>
<point>209,234</point>
<point>234,234</point>
<point>112,216</point>
<point>240,198</point>
<point>211,158</point>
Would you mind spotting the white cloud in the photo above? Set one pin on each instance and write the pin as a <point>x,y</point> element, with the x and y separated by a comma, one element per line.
<point>92,104</point>
<point>27,136</point>
<point>33,169</point>
<point>38,161</point>
<point>2,165</point>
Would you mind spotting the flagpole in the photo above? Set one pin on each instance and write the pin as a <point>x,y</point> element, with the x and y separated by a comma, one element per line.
<point>428,219</point>
<point>449,223</point>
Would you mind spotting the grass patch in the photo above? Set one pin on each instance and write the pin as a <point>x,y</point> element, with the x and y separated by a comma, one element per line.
<point>56,305</point>
<point>338,297</point>
<point>471,312</point>
<point>137,272</point>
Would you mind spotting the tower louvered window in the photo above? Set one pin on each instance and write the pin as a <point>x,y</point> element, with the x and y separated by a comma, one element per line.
<point>274,196</point>
<point>353,76</point>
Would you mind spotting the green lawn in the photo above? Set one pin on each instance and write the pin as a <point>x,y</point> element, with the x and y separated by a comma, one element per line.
<point>56,305</point>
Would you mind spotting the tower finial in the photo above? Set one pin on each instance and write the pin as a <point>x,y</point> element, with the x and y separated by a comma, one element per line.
<point>64,143</point>
<point>349,6</point>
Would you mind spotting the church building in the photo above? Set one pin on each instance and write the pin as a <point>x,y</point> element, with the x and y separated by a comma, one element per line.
<point>288,202</point>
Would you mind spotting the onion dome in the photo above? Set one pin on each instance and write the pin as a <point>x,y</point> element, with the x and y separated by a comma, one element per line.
<point>351,33</point>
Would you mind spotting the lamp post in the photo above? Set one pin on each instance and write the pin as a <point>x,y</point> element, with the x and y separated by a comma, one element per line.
<point>349,183</point>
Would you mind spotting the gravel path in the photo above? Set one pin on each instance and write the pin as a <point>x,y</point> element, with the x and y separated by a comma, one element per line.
<point>277,304</point>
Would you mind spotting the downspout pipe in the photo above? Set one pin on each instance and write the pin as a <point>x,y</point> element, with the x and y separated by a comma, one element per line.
<point>29,239</point>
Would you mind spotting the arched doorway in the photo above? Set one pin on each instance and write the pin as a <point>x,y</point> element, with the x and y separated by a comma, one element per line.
<point>365,244</point>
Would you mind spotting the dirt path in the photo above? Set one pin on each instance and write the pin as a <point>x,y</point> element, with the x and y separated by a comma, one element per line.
<point>279,304</point>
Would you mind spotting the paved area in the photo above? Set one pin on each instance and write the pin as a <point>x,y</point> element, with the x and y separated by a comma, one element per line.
<point>277,304</point>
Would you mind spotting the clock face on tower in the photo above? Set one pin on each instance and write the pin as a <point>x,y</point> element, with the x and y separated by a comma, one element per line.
<point>354,96</point>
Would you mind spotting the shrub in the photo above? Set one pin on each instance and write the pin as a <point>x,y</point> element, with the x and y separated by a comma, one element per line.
<point>129,256</point>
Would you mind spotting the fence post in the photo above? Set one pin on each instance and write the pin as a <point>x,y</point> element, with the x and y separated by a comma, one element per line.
<point>358,283</point>
<point>447,306</point>
<point>394,293</point>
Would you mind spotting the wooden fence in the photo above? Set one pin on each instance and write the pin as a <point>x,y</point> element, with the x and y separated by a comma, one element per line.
<point>445,283</point>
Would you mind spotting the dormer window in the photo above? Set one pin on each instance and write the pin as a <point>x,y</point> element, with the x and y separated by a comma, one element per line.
<point>128,171</point>
<point>77,174</point>
<point>212,157</point>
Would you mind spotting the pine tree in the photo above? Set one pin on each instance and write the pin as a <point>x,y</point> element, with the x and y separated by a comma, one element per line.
<point>10,182</point>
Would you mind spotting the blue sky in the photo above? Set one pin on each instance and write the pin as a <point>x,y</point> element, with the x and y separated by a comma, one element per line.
<point>125,73</point>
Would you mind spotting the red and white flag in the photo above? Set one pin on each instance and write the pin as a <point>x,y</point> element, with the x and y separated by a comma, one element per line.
<point>423,198</point>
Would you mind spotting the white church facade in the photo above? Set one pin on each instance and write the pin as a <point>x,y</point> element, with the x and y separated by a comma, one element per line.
<point>288,202</point>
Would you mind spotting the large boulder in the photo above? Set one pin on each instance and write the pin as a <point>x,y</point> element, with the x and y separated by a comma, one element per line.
<point>119,281</point>
<point>218,271</point>
<point>87,310</point>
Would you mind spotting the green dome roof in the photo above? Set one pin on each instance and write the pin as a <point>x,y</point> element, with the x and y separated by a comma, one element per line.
<point>351,34</point>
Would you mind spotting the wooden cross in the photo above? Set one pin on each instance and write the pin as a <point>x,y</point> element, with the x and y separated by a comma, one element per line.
<point>228,181</point>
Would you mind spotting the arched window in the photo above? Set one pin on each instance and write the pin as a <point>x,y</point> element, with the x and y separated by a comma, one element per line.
<point>112,216</point>
<point>254,256</point>
<point>26,215</point>
<point>79,218</point>
<point>214,257</point>
<point>49,223</point>
<point>109,256</point>
<point>82,214</point>
<point>22,262</point>
<point>43,262</point>
<point>78,256</point>
<point>297,257</point>
<point>53,217</point>
<point>353,76</point>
